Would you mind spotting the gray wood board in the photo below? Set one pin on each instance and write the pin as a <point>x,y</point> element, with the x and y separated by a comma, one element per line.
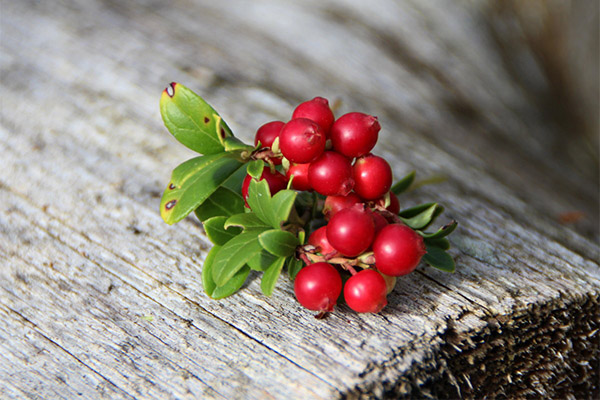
<point>100,298</point>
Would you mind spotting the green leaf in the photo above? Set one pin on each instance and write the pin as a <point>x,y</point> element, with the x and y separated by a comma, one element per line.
<point>248,221</point>
<point>207,279</point>
<point>223,202</point>
<point>232,285</point>
<point>438,258</point>
<point>293,266</point>
<point>192,120</point>
<point>233,144</point>
<point>282,204</point>
<point>442,243</point>
<point>440,233</point>
<point>422,219</point>
<point>255,168</point>
<point>193,182</point>
<point>279,243</point>
<point>403,184</point>
<point>412,211</point>
<point>234,182</point>
<point>259,200</point>
<point>269,278</point>
<point>217,233</point>
<point>261,261</point>
<point>234,255</point>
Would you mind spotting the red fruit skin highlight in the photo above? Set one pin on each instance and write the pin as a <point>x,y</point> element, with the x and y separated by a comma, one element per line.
<point>317,110</point>
<point>354,134</point>
<point>372,177</point>
<point>331,174</point>
<point>398,250</point>
<point>366,291</point>
<point>276,181</point>
<point>351,231</point>
<point>301,141</point>
<point>300,172</point>
<point>318,286</point>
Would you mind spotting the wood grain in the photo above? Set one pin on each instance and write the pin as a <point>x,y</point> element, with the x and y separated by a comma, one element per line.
<point>100,299</point>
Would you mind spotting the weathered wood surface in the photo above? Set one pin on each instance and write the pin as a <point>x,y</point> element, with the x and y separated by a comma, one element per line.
<point>99,298</point>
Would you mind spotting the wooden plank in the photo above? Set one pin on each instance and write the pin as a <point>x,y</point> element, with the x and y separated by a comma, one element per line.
<point>112,295</point>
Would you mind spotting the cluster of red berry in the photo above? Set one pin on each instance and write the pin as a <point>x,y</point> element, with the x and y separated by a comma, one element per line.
<point>333,158</point>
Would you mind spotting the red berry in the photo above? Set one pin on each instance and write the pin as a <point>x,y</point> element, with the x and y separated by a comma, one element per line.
<point>318,286</point>
<point>267,134</point>
<point>366,291</point>
<point>394,206</point>
<point>372,177</point>
<point>333,204</point>
<point>300,172</point>
<point>379,221</point>
<point>276,181</point>
<point>351,231</point>
<point>301,141</point>
<point>316,110</point>
<point>331,174</point>
<point>319,239</point>
<point>354,134</point>
<point>398,250</point>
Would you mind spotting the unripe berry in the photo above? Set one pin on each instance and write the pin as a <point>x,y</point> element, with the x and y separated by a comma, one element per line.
<point>351,231</point>
<point>318,286</point>
<point>316,110</point>
<point>300,172</point>
<point>331,174</point>
<point>267,134</point>
<point>354,134</point>
<point>301,141</point>
<point>372,176</point>
<point>333,204</point>
<point>319,239</point>
<point>398,250</point>
<point>366,291</point>
<point>276,182</point>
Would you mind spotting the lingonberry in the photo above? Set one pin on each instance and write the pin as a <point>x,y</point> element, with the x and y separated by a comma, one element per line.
<point>316,110</point>
<point>331,174</point>
<point>300,172</point>
<point>267,134</point>
<point>276,181</point>
<point>394,206</point>
<point>301,140</point>
<point>379,221</point>
<point>333,204</point>
<point>351,231</point>
<point>319,239</point>
<point>354,134</point>
<point>366,291</point>
<point>398,250</point>
<point>372,176</point>
<point>318,286</point>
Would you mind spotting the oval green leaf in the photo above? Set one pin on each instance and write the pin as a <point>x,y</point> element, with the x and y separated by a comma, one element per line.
<point>279,243</point>
<point>234,255</point>
<point>192,121</point>
<point>269,278</point>
<point>403,184</point>
<point>248,221</point>
<point>217,233</point>
<point>223,202</point>
<point>422,219</point>
<point>438,258</point>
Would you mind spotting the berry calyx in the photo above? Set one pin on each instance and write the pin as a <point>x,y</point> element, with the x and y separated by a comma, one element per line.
<point>267,134</point>
<point>318,286</point>
<point>300,173</point>
<point>333,204</point>
<point>398,250</point>
<point>301,141</point>
<point>366,291</point>
<point>317,110</point>
<point>372,176</point>
<point>351,231</point>
<point>354,134</point>
<point>276,181</point>
<point>331,174</point>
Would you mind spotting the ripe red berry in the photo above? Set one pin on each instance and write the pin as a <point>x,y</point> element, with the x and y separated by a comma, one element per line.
<point>319,239</point>
<point>394,206</point>
<point>379,221</point>
<point>267,134</point>
<point>276,181</point>
<point>318,286</point>
<point>300,172</point>
<point>316,110</point>
<point>354,134</point>
<point>372,176</point>
<point>331,174</point>
<point>366,291</point>
<point>301,141</point>
<point>351,231</point>
<point>333,204</point>
<point>398,250</point>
